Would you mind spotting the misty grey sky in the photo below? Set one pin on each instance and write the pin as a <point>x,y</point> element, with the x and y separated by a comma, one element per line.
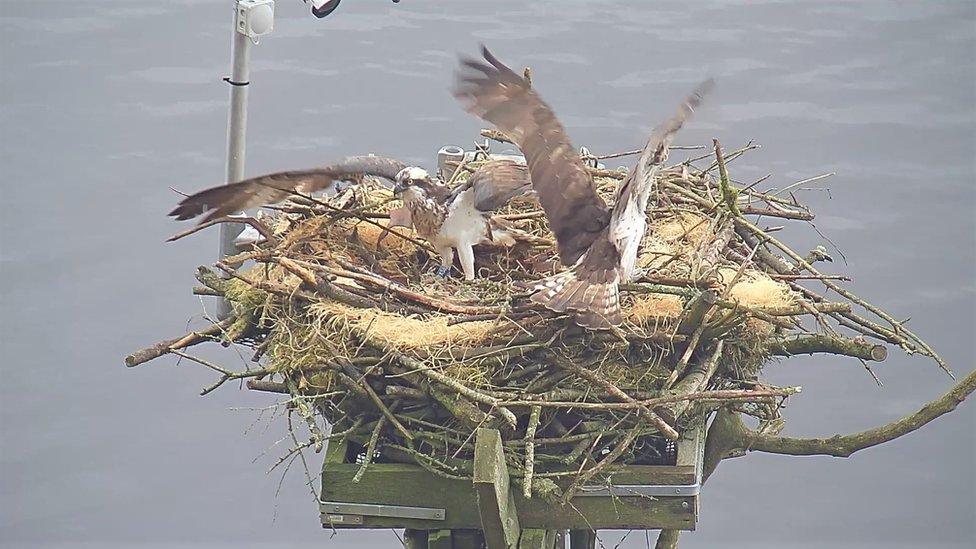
<point>105,105</point>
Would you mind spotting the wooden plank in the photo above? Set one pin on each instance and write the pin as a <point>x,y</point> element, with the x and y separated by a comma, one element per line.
<point>405,485</point>
<point>415,539</point>
<point>467,539</point>
<point>582,539</point>
<point>650,474</point>
<point>638,513</point>
<point>496,502</point>
<point>439,539</point>
<point>409,485</point>
<point>691,449</point>
<point>533,538</point>
<point>335,451</point>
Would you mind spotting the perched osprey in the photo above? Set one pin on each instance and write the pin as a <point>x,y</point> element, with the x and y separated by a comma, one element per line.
<point>448,218</point>
<point>460,218</point>
<point>597,242</point>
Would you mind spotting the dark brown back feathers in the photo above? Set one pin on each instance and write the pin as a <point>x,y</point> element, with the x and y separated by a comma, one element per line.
<point>496,183</point>
<point>566,190</point>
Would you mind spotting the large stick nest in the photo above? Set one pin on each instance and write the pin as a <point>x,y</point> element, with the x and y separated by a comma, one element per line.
<point>348,319</point>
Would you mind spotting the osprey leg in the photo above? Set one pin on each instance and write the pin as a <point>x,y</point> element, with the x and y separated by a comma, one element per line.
<point>466,255</point>
<point>447,261</point>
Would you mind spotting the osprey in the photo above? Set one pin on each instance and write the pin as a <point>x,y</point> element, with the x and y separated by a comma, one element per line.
<point>598,243</point>
<point>460,218</point>
<point>448,218</point>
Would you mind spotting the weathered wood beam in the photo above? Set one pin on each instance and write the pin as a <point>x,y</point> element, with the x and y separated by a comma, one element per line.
<point>697,309</point>
<point>467,539</point>
<point>496,502</point>
<point>667,539</point>
<point>533,538</point>
<point>695,380</point>
<point>439,539</point>
<point>582,539</point>
<point>415,539</point>
<point>413,486</point>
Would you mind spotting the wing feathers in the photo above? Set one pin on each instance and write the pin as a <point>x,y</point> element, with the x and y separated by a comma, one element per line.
<point>595,301</point>
<point>566,191</point>
<point>663,135</point>
<point>269,189</point>
<point>497,182</point>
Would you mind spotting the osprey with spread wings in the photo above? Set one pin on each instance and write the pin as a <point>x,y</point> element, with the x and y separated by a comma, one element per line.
<point>599,243</point>
<point>449,219</point>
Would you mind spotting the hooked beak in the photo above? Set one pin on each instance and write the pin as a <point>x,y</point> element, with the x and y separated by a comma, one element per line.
<point>399,187</point>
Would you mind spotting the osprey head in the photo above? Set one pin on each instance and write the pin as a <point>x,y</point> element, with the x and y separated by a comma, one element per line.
<point>411,178</point>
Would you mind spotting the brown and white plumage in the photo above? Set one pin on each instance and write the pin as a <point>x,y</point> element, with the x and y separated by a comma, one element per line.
<point>599,243</point>
<point>458,219</point>
<point>448,218</point>
<point>273,188</point>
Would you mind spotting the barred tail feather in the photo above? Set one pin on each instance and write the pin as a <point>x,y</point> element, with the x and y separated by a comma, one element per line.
<point>596,304</point>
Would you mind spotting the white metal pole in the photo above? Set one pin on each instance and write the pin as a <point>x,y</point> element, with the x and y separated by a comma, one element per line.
<point>236,130</point>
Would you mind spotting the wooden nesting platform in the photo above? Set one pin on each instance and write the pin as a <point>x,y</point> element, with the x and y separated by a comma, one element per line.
<point>395,495</point>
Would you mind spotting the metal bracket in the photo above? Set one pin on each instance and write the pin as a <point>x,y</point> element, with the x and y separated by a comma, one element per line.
<point>331,508</point>
<point>624,490</point>
<point>330,520</point>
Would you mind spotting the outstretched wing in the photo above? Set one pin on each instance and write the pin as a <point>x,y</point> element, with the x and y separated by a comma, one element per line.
<point>269,189</point>
<point>628,219</point>
<point>566,190</point>
<point>497,182</point>
<point>655,152</point>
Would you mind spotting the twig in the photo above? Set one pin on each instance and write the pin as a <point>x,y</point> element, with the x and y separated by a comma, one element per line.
<point>258,226</point>
<point>226,375</point>
<point>898,327</point>
<point>190,339</point>
<point>729,195</point>
<point>803,182</point>
<point>770,212</point>
<point>615,391</point>
<point>370,450</point>
<point>809,277</point>
<point>718,395</point>
<point>530,450</point>
<point>463,390</point>
<point>622,446</point>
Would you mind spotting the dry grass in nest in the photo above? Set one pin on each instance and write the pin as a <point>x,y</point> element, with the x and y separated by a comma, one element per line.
<point>406,333</point>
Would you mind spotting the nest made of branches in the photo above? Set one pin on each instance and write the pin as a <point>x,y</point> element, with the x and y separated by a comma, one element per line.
<point>347,318</point>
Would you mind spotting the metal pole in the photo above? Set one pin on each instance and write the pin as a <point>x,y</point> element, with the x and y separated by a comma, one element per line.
<point>236,130</point>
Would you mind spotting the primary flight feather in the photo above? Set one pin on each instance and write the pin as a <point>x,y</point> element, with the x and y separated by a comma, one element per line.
<point>597,242</point>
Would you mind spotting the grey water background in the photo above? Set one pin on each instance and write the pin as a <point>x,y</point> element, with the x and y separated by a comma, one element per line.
<point>105,105</point>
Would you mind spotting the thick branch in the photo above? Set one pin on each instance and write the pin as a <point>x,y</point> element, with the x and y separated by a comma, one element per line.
<point>784,214</point>
<point>267,386</point>
<point>667,539</point>
<point>845,445</point>
<point>163,347</point>
<point>828,344</point>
